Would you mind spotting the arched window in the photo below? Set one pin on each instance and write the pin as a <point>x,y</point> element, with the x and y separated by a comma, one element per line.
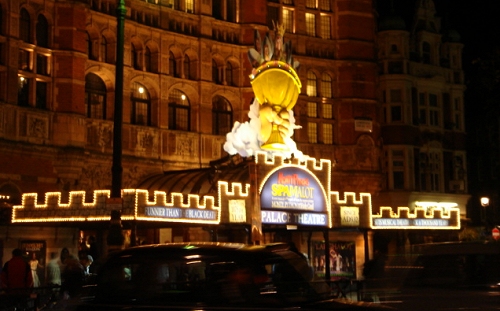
<point>215,73</point>
<point>135,57</point>
<point>326,85</point>
<point>42,32</point>
<point>311,84</point>
<point>147,59</point>
<point>25,26</point>
<point>104,49</point>
<point>178,111</point>
<point>222,116</point>
<point>172,66</point>
<point>89,46</point>
<point>141,105</point>
<point>95,97</point>
<point>187,67</point>
<point>229,74</point>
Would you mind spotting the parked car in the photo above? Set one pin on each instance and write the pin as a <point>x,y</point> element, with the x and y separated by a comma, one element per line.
<point>447,276</point>
<point>211,276</point>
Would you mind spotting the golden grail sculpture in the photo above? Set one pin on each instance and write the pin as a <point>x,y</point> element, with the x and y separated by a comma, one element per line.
<point>275,83</point>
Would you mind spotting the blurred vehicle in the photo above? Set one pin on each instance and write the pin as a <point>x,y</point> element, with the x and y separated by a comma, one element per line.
<point>211,276</point>
<point>448,276</point>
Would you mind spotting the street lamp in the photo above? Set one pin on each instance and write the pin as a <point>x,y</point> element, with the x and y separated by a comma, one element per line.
<point>485,202</point>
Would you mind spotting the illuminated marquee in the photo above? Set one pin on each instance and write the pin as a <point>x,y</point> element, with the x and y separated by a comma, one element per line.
<point>445,216</point>
<point>180,213</point>
<point>292,195</point>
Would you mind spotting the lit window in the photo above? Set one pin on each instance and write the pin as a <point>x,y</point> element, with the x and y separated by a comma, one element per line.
<point>312,110</point>
<point>311,4</point>
<point>178,111</point>
<point>311,84</point>
<point>190,6</point>
<point>326,85</point>
<point>326,27</point>
<point>288,20</point>
<point>312,132</point>
<point>324,5</point>
<point>141,105</point>
<point>327,133</point>
<point>311,24</point>
<point>327,111</point>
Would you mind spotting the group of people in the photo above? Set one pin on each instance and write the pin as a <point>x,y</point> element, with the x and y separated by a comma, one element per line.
<point>66,273</point>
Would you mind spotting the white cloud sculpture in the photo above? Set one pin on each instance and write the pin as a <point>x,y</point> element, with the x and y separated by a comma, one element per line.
<point>245,138</point>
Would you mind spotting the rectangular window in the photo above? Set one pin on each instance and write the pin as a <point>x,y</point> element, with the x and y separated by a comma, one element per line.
<point>312,110</point>
<point>41,95</point>
<point>288,20</point>
<point>312,132</point>
<point>24,60</point>
<point>141,113</point>
<point>311,24</point>
<point>326,27</point>
<point>190,6</point>
<point>23,93</point>
<point>421,99</point>
<point>273,15</point>
<point>324,5</point>
<point>231,11</point>
<point>327,111</point>
<point>422,116</point>
<point>42,64</point>
<point>434,118</point>
<point>288,2</point>
<point>433,100</point>
<point>396,114</point>
<point>311,4</point>
<point>328,133</point>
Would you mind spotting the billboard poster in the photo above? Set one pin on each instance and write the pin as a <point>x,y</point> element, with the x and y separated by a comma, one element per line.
<point>342,259</point>
<point>35,254</point>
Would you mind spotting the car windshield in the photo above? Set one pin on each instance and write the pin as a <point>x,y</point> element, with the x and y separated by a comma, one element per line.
<point>253,279</point>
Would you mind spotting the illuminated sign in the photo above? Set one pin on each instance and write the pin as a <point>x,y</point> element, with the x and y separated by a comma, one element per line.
<point>395,222</point>
<point>282,218</point>
<point>180,213</point>
<point>349,216</point>
<point>237,211</point>
<point>292,188</point>
<point>292,195</point>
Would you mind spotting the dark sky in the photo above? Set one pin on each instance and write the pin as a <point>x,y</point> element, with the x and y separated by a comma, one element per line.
<point>477,21</point>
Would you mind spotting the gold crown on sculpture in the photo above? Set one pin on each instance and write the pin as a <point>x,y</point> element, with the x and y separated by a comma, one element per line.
<point>271,48</point>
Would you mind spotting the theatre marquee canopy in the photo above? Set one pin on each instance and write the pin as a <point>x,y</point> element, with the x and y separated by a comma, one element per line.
<point>288,192</point>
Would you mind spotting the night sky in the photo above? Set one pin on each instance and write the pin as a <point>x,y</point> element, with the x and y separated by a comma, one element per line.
<point>477,22</point>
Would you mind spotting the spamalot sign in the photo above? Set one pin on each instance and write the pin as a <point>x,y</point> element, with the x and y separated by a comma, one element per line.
<point>292,195</point>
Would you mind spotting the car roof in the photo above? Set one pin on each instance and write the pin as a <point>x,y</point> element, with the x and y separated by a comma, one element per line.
<point>202,248</point>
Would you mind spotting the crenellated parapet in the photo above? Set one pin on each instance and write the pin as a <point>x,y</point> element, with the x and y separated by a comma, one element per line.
<point>350,209</point>
<point>418,218</point>
<point>311,164</point>
<point>136,204</point>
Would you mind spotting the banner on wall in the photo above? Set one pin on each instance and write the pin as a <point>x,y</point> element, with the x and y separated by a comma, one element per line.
<point>35,254</point>
<point>342,259</point>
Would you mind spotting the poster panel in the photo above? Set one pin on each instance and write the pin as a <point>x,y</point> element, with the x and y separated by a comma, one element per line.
<point>35,254</point>
<point>342,259</point>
